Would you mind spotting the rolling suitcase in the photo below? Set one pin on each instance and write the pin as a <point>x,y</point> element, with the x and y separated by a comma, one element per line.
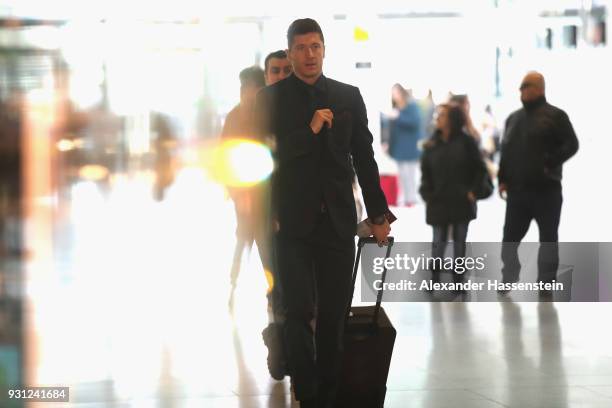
<point>368,345</point>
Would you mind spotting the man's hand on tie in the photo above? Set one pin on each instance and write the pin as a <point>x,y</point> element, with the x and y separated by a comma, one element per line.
<point>320,118</point>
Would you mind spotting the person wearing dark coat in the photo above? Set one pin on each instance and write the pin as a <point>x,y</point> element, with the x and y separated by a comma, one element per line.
<point>452,171</point>
<point>538,139</point>
<point>318,124</point>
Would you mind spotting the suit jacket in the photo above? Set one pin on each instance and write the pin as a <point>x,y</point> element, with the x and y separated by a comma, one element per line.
<point>317,169</point>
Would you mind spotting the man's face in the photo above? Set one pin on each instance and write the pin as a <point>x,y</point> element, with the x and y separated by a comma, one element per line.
<point>531,88</point>
<point>278,69</point>
<point>306,55</point>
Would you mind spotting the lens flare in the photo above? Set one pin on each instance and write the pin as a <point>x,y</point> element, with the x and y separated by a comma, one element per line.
<point>65,145</point>
<point>93,172</point>
<point>240,163</point>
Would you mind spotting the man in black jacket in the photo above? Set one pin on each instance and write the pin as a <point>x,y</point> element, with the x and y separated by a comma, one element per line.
<point>538,139</point>
<point>318,125</point>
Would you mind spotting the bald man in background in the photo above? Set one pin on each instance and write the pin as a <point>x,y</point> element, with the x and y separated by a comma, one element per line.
<point>538,139</point>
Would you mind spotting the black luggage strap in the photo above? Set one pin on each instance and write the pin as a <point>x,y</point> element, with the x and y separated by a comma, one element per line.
<point>360,244</point>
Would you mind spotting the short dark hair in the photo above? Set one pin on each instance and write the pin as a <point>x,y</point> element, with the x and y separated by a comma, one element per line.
<point>253,75</point>
<point>280,54</point>
<point>303,26</point>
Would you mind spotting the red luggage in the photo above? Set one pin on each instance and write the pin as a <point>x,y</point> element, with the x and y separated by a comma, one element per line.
<point>389,185</point>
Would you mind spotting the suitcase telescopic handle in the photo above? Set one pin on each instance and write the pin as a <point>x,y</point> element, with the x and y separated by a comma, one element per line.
<point>360,244</point>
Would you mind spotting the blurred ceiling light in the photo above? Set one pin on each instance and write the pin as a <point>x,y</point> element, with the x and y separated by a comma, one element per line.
<point>240,162</point>
<point>93,172</point>
<point>65,145</point>
<point>360,34</point>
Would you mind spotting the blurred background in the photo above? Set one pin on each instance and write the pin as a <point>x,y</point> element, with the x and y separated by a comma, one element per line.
<point>117,232</point>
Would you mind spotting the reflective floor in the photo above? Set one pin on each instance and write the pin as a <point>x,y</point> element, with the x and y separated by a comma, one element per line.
<point>129,307</point>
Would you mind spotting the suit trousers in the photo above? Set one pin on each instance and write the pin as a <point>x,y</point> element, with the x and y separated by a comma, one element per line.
<point>522,207</point>
<point>323,260</point>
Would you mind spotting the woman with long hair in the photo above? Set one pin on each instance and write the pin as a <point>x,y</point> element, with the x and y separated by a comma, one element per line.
<point>452,171</point>
<point>405,131</point>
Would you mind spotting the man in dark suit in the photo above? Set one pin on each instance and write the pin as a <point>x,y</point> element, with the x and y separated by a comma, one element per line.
<point>318,124</point>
